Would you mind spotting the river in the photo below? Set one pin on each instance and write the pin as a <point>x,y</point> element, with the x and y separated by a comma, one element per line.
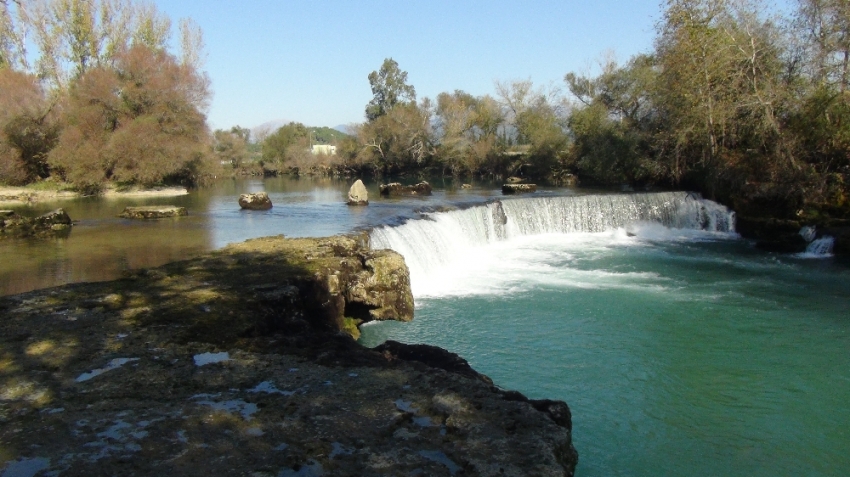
<point>681,349</point>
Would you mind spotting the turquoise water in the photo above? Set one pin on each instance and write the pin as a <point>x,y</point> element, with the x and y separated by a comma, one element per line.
<point>679,351</point>
<point>680,348</point>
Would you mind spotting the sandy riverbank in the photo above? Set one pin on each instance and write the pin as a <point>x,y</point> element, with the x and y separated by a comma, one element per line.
<point>11,196</point>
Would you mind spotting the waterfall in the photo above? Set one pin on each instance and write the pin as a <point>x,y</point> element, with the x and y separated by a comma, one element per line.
<point>447,237</point>
<point>821,247</point>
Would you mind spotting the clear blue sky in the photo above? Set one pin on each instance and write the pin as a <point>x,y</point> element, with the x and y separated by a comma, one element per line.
<point>308,61</point>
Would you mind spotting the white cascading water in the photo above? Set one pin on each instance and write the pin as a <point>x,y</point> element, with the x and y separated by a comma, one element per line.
<point>821,247</point>
<point>444,238</point>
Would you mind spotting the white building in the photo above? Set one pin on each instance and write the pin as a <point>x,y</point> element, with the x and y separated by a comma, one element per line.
<point>325,149</point>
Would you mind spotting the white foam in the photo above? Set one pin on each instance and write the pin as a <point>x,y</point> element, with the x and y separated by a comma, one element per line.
<point>509,246</point>
<point>818,248</point>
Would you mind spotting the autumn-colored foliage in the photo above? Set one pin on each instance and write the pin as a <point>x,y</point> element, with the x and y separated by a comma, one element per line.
<point>28,128</point>
<point>137,122</point>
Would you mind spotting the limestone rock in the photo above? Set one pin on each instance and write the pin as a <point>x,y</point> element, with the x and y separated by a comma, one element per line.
<point>466,186</point>
<point>12,224</point>
<point>153,212</point>
<point>382,290</point>
<point>233,360</point>
<point>518,188</point>
<point>357,194</point>
<point>257,201</point>
<point>395,189</point>
<point>50,219</point>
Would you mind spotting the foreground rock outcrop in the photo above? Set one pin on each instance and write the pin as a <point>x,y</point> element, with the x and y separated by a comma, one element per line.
<point>235,363</point>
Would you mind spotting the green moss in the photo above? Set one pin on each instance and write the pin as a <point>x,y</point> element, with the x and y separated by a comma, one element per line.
<point>349,325</point>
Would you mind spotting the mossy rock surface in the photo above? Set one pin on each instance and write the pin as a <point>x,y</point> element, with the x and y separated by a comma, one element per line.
<point>238,363</point>
<point>153,212</point>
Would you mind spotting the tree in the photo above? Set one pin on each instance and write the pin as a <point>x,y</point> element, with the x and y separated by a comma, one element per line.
<point>826,24</point>
<point>28,128</point>
<point>613,128</point>
<point>400,139</point>
<point>719,88</point>
<point>72,36</point>
<point>140,122</point>
<point>468,132</point>
<point>389,88</point>
<point>284,146</point>
<point>12,38</point>
<point>231,146</point>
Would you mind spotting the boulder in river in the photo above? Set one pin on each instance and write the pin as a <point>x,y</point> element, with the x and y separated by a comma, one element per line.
<point>153,212</point>
<point>395,189</point>
<point>518,188</point>
<point>257,201</point>
<point>12,224</point>
<point>357,194</point>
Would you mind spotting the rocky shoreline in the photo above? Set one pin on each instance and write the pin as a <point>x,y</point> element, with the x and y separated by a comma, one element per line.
<point>241,362</point>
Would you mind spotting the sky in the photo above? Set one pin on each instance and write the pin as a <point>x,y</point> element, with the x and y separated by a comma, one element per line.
<point>308,61</point>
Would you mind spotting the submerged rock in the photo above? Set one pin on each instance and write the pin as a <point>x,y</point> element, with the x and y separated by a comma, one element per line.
<point>394,189</point>
<point>357,194</point>
<point>257,201</point>
<point>153,212</point>
<point>518,188</point>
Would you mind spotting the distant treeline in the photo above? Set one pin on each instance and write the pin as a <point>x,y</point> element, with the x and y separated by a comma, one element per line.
<point>735,101</point>
<point>743,104</point>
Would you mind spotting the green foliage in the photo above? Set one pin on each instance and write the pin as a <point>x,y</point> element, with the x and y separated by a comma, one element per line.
<point>284,144</point>
<point>231,146</point>
<point>389,88</point>
<point>326,135</point>
<point>399,140</point>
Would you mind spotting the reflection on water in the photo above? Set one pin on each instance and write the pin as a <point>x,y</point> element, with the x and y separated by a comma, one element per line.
<point>101,245</point>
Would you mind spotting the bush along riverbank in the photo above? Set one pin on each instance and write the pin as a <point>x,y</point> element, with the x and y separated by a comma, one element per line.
<point>242,362</point>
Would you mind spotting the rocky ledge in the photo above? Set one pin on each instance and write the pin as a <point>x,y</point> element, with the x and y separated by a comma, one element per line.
<point>241,362</point>
<point>395,189</point>
<point>518,188</point>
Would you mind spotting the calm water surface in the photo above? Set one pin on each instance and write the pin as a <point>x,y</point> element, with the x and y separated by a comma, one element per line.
<point>101,245</point>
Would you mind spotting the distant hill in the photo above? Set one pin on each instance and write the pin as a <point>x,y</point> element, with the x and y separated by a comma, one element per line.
<point>320,134</point>
<point>267,128</point>
<point>326,135</point>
